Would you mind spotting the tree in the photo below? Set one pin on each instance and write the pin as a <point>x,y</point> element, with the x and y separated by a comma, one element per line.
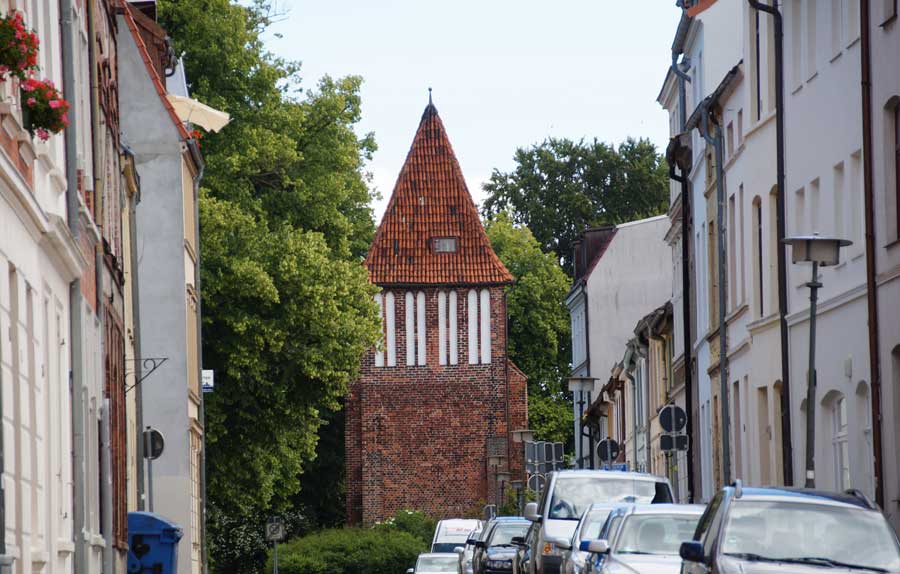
<point>539,329</point>
<point>561,187</point>
<point>285,218</point>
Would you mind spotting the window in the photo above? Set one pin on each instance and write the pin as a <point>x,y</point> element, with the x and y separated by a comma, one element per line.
<point>811,47</point>
<point>838,182</point>
<point>472,307</point>
<point>852,21</point>
<point>444,244</point>
<point>713,274</point>
<point>730,132</point>
<point>737,430</point>
<point>840,446</point>
<point>379,347</point>
<point>442,328</point>
<point>732,261</point>
<point>757,226</point>
<point>815,222</point>
<point>454,343</point>
<point>410,329</point>
<point>799,210</point>
<point>894,166</point>
<point>774,246</point>
<point>447,350</point>
<point>740,126</point>
<point>888,11</point>
<point>420,328</point>
<point>757,84</point>
<point>485,326</point>
<point>837,25</point>
<point>764,436</point>
<point>741,252</point>
<point>864,442</point>
<point>855,214</point>
<point>391,325</point>
<point>796,44</point>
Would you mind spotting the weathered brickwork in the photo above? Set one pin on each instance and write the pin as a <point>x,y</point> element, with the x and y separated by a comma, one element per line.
<point>419,437</point>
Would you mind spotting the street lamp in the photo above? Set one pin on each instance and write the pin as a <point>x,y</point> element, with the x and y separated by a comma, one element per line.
<point>523,435</point>
<point>820,251</point>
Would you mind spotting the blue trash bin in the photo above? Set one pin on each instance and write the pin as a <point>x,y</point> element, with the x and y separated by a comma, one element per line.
<point>152,544</point>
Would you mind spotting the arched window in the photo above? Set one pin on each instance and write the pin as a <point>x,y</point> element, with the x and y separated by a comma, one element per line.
<point>892,166</point>
<point>391,324</point>
<point>442,328</point>
<point>410,329</point>
<point>454,330</point>
<point>485,309</point>
<point>472,307</point>
<point>864,445</point>
<point>757,226</point>
<point>836,406</point>
<point>420,328</point>
<point>379,346</point>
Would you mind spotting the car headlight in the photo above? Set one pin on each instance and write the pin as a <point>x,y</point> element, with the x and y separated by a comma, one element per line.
<point>499,564</point>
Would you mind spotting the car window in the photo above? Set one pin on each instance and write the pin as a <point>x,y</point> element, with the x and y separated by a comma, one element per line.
<point>612,527</point>
<point>572,495</point>
<point>504,533</point>
<point>593,523</point>
<point>706,518</point>
<point>712,530</point>
<point>659,534</point>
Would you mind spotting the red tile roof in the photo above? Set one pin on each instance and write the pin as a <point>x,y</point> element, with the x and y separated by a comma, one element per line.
<point>431,200</point>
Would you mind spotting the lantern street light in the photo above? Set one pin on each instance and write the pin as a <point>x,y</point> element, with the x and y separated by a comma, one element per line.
<point>820,251</point>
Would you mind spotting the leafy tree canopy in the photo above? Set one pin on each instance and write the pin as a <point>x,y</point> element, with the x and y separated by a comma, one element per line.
<point>560,187</point>
<point>539,327</point>
<point>287,309</point>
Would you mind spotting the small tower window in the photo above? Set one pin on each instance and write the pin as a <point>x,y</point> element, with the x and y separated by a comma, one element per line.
<point>444,244</point>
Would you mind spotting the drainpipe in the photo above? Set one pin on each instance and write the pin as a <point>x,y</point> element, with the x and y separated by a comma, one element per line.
<point>871,262</point>
<point>76,373</point>
<point>686,231</point>
<point>786,445</point>
<point>716,142</point>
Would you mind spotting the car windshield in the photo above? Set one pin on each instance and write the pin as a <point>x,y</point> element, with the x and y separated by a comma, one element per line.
<point>436,564</point>
<point>655,533</point>
<point>573,494</point>
<point>593,522</point>
<point>758,530</point>
<point>504,533</point>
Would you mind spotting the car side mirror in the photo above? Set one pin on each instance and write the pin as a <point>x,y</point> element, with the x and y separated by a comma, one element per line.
<point>518,540</point>
<point>531,512</point>
<point>459,550</point>
<point>560,543</point>
<point>410,571</point>
<point>600,546</point>
<point>692,551</point>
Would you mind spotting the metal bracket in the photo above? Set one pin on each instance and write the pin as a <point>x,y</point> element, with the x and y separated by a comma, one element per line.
<point>148,366</point>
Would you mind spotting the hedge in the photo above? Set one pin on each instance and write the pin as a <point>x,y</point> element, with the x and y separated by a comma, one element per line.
<point>350,550</point>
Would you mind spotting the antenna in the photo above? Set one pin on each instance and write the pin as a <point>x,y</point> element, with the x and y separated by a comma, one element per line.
<point>429,95</point>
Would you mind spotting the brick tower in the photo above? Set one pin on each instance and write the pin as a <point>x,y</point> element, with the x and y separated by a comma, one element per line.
<point>429,421</point>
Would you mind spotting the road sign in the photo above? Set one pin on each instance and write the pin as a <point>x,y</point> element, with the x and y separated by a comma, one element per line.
<point>208,380</point>
<point>154,443</point>
<point>608,450</point>
<point>619,466</point>
<point>669,442</point>
<point>275,530</point>
<point>672,418</point>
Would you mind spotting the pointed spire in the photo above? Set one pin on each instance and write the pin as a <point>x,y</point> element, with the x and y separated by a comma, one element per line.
<point>431,202</point>
<point>429,96</point>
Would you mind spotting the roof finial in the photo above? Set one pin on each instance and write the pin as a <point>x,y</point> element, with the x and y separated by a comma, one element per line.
<point>429,95</point>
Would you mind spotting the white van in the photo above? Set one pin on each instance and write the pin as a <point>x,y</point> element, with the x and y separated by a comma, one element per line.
<point>453,533</point>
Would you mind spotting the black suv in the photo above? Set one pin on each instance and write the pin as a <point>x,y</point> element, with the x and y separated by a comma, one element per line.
<point>755,530</point>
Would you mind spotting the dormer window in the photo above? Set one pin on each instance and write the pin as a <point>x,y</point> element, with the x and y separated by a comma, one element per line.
<point>444,244</point>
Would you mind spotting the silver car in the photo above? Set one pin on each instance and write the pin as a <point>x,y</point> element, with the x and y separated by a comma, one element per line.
<point>466,551</point>
<point>588,528</point>
<point>565,498</point>
<point>647,540</point>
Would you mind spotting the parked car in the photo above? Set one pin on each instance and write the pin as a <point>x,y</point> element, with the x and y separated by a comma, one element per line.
<point>648,539</point>
<point>523,551</point>
<point>466,552</point>
<point>568,494</point>
<point>495,554</point>
<point>434,563</point>
<point>593,519</point>
<point>790,530</point>
<point>452,533</point>
<point>607,532</point>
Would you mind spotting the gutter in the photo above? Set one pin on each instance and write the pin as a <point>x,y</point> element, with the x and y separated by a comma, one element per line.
<point>871,261</point>
<point>707,118</point>
<point>76,372</point>
<point>786,445</point>
<point>686,232</point>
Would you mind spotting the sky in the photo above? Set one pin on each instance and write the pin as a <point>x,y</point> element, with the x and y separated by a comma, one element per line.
<point>505,74</point>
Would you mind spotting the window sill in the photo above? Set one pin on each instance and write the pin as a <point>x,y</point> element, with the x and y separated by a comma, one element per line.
<point>812,76</point>
<point>888,22</point>
<point>853,42</point>
<point>796,89</point>
<point>835,57</point>
<point>892,244</point>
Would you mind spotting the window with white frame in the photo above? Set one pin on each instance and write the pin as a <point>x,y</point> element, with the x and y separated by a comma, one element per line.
<point>485,339</point>
<point>379,347</point>
<point>391,329</point>
<point>840,445</point>
<point>472,311</point>
<point>420,329</point>
<point>447,335</point>
<point>410,301</point>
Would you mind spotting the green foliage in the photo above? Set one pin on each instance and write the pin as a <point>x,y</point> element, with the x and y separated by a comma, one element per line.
<point>413,522</point>
<point>539,325</point>
<point>338,551</point>
<point>560,187</point>
<point>285,218</point>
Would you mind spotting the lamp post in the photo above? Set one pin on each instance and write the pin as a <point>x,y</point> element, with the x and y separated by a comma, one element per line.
<point>821,252</point>
<point>582,385</point>
<point>494,461</point>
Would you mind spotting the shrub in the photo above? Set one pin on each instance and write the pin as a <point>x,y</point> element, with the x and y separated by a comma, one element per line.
<point>412,522</point>
<point>377,550</point>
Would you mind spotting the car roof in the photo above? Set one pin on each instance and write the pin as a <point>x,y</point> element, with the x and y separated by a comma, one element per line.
<point>805,495</point>
<point>507,518</point>
<point>459,521</point>
<point>691,509</point>
<point>612,474</point>
<point>436,555</point>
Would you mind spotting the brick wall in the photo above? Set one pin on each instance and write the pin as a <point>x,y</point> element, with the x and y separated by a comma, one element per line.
<point>417,436</point>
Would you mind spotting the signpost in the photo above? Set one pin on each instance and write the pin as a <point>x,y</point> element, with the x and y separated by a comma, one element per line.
<point>275,534</point>
<point>154,444</point>
<point>608,451</point>
<point>673,420</point>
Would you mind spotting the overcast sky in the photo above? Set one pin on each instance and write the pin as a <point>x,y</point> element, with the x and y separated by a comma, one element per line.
<point>505,73</point>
